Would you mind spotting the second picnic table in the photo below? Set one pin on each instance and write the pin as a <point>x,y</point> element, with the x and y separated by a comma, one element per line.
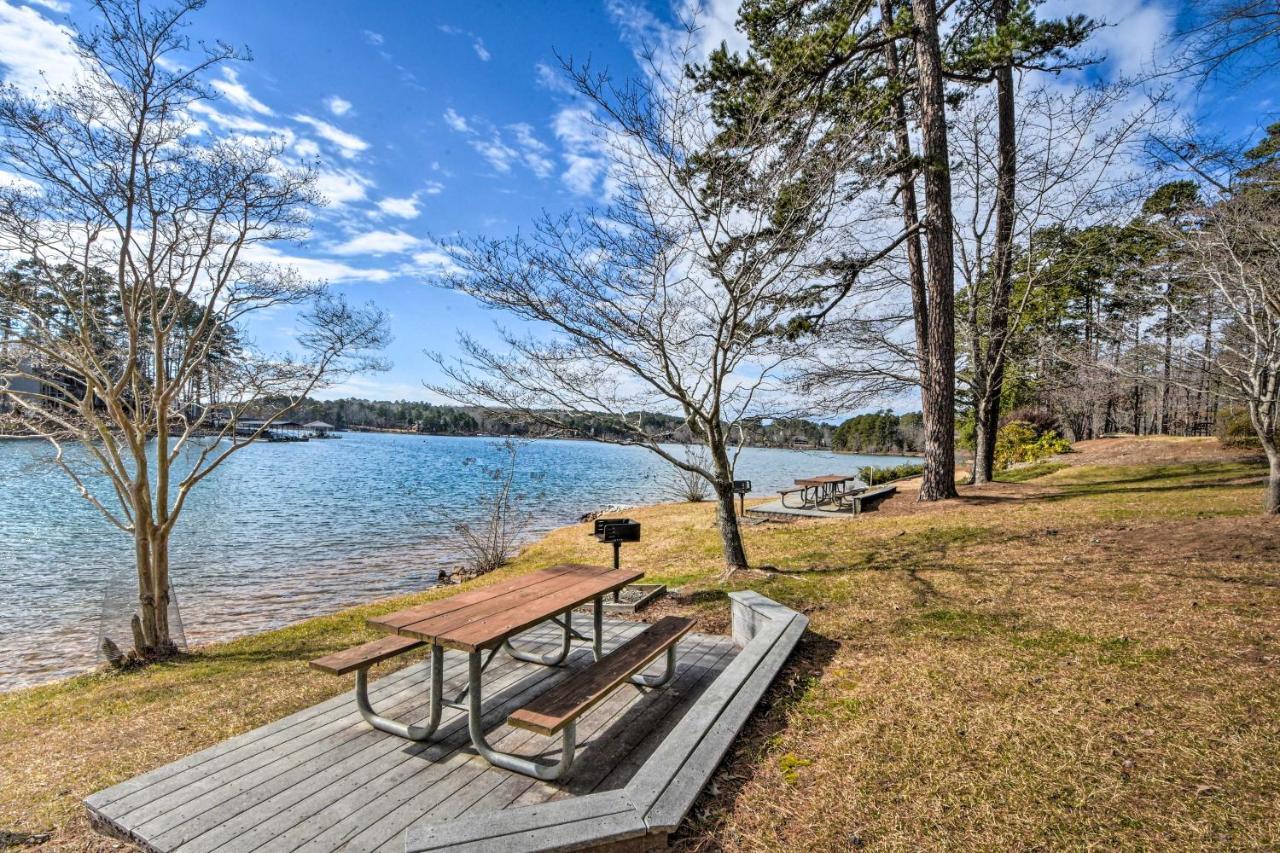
<point>481,621</point>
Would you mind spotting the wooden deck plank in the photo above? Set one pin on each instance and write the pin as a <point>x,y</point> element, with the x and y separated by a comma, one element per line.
<point>270,737</point>
<point>378,754</point>
<point>220,798</point>
<point>352,795</point>
<point>116,796</point>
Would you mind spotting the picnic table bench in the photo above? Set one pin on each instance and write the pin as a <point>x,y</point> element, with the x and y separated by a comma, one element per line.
<point>479,622</point>
<point>857,501</point>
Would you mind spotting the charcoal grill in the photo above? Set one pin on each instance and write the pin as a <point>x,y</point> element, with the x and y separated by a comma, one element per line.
<point>740,488</point>
<point>615,531</point>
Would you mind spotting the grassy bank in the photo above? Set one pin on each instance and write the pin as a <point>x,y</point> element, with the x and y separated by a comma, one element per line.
<point>1086,657</point>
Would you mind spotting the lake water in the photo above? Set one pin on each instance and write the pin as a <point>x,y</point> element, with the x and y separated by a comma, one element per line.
<point>282,532</point>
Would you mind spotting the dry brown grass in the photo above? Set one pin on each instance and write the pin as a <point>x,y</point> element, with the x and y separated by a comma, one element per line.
<point>1086,659</point>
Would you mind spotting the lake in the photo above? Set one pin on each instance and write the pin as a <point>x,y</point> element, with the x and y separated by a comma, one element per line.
<point>282,532</point>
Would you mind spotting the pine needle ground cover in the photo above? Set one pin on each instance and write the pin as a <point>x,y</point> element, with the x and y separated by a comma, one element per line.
<point>1086,655</point>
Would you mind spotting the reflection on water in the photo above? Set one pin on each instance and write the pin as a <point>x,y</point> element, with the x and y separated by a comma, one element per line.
<point>282,532</point>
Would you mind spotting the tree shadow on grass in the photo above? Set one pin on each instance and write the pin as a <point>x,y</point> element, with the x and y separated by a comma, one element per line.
<point>812,656</point>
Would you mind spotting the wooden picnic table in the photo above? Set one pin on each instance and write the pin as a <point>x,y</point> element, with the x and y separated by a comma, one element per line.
<point>824,488</point>
<point>485,620</point>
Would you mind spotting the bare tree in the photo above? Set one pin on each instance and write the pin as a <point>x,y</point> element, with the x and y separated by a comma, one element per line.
<point>122,321</point>
<point>490,541</point>
<point>670,297</point>
<point>686,485</point>
<point>1235,252</point>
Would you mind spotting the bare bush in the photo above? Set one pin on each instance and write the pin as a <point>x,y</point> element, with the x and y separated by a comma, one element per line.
<point>491,542</point>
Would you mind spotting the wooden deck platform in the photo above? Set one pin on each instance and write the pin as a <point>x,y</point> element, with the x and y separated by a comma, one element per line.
<point>323,780</point>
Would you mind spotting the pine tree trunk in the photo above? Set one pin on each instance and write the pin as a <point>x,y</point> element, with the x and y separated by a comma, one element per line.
<point>987,410</point>
<point>939,389</point>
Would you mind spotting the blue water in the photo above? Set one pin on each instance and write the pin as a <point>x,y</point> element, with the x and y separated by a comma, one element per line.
<point>282,532</point>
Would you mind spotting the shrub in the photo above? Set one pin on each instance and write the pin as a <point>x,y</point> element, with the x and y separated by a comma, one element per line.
<point>1019,441</point>
<point>1235,429</point>
<point>873,475</point>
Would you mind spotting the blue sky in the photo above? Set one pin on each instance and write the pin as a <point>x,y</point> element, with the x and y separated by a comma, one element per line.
<point>431,119</point>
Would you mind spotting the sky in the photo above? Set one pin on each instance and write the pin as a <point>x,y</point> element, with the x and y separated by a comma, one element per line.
<point>433,119</point>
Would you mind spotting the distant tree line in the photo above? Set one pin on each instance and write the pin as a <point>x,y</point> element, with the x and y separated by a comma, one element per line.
<point>880,432</point>
<point>432,419</point>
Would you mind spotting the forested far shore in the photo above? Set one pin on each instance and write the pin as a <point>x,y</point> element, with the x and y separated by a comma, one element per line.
<point>432,419</point>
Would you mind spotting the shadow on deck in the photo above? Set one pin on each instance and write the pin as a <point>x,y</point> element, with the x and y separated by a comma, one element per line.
<point>323,780</point>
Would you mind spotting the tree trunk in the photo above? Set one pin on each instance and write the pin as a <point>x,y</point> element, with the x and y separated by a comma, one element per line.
<point>939,388</point>
<point>151,552</point>
<point>910,208</point>
<point>987,410</point>
<point>1271,499</point>
<point>735,554</point>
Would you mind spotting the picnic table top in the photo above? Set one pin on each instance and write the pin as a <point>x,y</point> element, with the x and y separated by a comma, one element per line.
<point>483,618</point>
<point>825,479</point>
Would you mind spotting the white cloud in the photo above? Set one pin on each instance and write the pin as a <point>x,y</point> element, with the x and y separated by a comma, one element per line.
<point>337,105</point>
<point>502,154</point>
<point>241,124</point>
<point>456,121</point>
<point>499,154</point>
<point>307,149</point>
<point>405,208</point>
<point>342,186</point>
<point>349,145</point>
<point>533,150</point>
<point>36,53</point>
<point>378,243</point>
<point>481,51</point>
<point>551,78</point>
<point>373,38</point>
<point>433,188</point>
<point>587,162</point>
<point>434,262</point>
<point>234,91</point>
<point>315,269</point>
<point>54,5</point>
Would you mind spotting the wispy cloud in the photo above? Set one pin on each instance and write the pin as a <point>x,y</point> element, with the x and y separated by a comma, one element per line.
<point>342,186</point>
<point>348,144</point>
<point>378,243</point>
<point>456,121</point>
<point>405,208</point>
<point>499,150</point>
<point>315,269</point>
<point>477,43</point>
<point>337,105</point>
<point>235,92</point>
<point>36,53</point>
<point>375,39</point>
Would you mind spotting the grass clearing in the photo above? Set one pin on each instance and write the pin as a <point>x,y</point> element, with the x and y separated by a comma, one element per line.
<point>1084,658</point>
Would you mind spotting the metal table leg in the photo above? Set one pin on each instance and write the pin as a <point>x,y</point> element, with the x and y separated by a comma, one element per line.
<point>597,621</point>
<point>505,760</point>
<point>404,730</point>
<point>551,658</point>
<point>659,680</point>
